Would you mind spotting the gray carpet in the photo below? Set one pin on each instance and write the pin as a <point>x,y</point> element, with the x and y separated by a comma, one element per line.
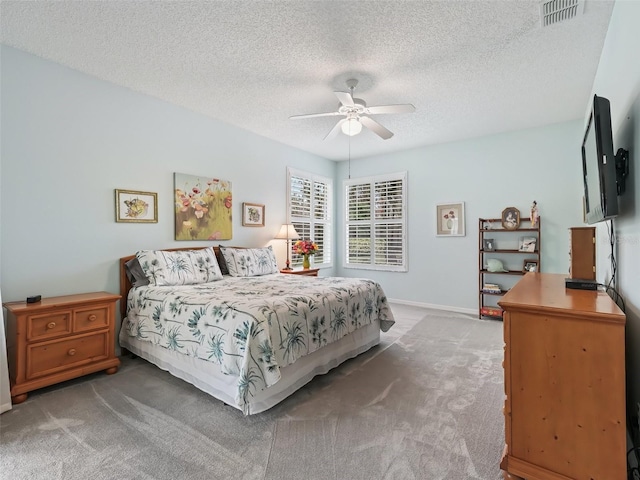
<point>425,404</point>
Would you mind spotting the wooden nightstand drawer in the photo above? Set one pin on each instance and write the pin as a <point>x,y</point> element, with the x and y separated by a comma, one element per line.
<point>49,325</point>
<point>49,357</point>
<point>90,319</point>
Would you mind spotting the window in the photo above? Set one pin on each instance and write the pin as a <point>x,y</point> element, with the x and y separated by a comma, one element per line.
<point>376,222</point>
<point>310,205</point>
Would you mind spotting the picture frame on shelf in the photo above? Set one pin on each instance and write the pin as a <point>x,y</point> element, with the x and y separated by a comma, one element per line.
<point>252,215</point>
<point>527,244</point>
<point>489,244</point>
<point>450,220</point>
<point>530,266</point>
<point>510,218</point>
<point>133,206</point>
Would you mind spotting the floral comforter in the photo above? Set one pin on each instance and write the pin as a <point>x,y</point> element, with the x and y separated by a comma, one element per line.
<point>252,326</point>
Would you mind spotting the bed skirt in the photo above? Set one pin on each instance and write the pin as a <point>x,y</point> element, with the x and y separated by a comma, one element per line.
<point>207,377</point>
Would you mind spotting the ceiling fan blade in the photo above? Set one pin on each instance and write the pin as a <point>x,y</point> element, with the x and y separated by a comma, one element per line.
<point>336,128</point>
<point>345,98</point>
<point>376,128</point>
<point>313,115</point>
<point>403,108</point>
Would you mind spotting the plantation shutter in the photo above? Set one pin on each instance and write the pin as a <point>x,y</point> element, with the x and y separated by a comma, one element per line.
<point>310,206</point>
<point>376,222</point>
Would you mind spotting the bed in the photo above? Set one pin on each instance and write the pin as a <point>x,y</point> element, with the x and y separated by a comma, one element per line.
<point>250,338</point>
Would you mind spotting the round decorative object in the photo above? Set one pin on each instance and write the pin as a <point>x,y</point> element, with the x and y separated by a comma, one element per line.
<point>510,218</point>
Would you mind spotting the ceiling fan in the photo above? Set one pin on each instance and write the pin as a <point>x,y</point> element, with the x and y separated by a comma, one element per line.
<point>356,113</point>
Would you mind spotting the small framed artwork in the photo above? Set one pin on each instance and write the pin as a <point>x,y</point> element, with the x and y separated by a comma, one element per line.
<point>450,219</point>
<point>136,207</point>
<point>510,218</point>
<point>489,244</point>
<point>527,244</point>
<point>530,266</point>
<point>252,215</point>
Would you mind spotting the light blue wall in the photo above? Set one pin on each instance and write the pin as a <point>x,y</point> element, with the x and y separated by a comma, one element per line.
<point>618,79</point>
<point>488,174</point>
<point>69,140</point>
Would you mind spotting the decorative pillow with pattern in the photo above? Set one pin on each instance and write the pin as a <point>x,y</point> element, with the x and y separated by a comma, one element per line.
<point>250,262</point>
<point>181,267</point>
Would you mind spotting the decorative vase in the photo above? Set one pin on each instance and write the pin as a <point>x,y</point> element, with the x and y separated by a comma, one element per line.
<point>306,264</point>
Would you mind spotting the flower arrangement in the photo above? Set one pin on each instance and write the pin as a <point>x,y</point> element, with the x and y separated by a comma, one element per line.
<point>305,247</point>
<point>450,217</point>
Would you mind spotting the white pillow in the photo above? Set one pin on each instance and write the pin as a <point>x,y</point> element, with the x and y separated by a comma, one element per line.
<point>182,267</point>
<point>250,262</point>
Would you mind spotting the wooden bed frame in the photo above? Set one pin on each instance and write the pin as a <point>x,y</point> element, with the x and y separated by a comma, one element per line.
<point>125,284</point>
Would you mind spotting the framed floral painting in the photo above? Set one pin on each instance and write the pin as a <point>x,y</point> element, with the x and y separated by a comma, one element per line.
<point>450,219</point>
<point>202,208</point>
<point>252,215</point>
<point>136,207</point>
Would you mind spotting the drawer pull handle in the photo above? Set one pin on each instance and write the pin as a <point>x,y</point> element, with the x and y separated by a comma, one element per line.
<point>71,352</point>
<point>92,318</point>
<point>51,325</point>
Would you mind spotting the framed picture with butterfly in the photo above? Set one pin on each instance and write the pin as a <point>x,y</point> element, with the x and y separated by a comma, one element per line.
<point>136,207</point>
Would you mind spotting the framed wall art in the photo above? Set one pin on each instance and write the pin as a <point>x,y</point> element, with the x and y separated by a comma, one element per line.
<point>450,219</point>
<point>252,215</point>
<point>136,207</point>
<point>202,208</point>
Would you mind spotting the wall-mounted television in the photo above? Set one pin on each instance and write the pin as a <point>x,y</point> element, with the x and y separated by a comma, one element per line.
<point>599,165</point>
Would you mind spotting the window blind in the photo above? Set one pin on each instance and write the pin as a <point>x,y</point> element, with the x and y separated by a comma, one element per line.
<point>376,222</point>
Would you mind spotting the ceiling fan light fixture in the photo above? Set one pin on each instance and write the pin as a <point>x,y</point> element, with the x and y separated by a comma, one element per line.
<point>351,127</point>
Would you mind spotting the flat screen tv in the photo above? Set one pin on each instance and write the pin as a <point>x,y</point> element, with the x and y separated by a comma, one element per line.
<point>599,165</point>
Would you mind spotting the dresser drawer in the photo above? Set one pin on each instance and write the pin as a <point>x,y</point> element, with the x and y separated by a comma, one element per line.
<point>48,325</point>
<point>49,357</point>
<point>90,319</point>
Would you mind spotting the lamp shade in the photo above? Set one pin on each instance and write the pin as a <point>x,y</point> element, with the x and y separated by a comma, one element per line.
<point>351,127</point>
<point>287,232</point>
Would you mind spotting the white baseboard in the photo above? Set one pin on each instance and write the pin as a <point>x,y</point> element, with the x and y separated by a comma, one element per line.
<point>5,407</point>
<point>448,308</point>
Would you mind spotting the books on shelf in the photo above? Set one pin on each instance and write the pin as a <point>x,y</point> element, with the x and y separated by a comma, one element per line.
<point>491,288</point>
<point>491,311</point>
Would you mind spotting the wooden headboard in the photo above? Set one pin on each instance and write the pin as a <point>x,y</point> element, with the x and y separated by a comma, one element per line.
<point>125,284</point>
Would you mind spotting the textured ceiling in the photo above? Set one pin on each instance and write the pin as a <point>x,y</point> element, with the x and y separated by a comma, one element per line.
<point>470,67</point>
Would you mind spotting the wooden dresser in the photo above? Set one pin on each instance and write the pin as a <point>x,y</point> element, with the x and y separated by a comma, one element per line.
<point>564,376</point>
<point>59,338</point>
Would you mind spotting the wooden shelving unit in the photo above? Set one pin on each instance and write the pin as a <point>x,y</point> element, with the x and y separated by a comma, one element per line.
<point>510,256</point>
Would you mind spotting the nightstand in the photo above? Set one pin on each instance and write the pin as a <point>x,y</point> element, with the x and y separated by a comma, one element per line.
<point>59,338</point>
<point>309,272</point>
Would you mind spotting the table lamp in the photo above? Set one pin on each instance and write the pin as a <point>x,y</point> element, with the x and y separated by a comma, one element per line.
<point>287,232</point>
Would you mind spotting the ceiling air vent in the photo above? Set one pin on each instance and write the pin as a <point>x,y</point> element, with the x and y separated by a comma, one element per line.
<point>556,11</point>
